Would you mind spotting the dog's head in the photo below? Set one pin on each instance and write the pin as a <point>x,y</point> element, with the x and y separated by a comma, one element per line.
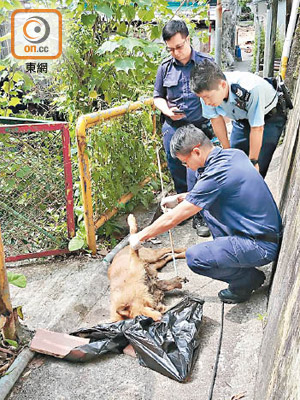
<point>132,310</point>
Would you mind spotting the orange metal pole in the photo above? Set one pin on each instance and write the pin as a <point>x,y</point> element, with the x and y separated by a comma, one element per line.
<point>100,116</point>
<point>9,329</point>
<point>86,184</point>
<point>84,122</point>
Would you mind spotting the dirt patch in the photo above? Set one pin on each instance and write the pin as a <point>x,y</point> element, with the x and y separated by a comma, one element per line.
<point>246,38</point>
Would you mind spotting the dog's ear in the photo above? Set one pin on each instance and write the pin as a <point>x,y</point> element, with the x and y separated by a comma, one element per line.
<point>124,310</point>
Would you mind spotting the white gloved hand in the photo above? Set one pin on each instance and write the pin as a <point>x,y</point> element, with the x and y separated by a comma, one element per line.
<point>169,201</point>
<point>135,242</point>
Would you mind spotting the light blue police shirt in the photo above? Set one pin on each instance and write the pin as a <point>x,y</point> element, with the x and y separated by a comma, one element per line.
<point>262,99</point>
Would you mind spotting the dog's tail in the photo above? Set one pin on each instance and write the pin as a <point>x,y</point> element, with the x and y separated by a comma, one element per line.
<point>132,224</point>
<point>132,229</point>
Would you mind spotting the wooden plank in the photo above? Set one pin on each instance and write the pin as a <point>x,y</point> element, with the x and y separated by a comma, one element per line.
<point>54,343</point>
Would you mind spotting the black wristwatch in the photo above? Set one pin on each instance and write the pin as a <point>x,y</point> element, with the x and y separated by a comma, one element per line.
<point>254,162</point>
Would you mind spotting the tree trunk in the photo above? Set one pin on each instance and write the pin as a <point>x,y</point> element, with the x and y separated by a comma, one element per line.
<point>9,329</point>
<point>230,8</point>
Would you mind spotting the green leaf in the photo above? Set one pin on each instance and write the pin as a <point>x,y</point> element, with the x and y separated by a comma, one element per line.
<point>124,64</point>
<point>130,43</point>
<point>108,46</point>
<point>76,244</point>
<point>122,27</point>
<point>146,15</point>
<point>18,280</point>
<point>20,312</point>
<point>25,171</point>
<point>129,11</point>
<point>142,3</point>
<point>7,5</point>
<point>7,86</point>
<point>28,82</point>
<point>17,76</point>
<point>17,4</point>
<point>12,343</point>
<point>93,94</point>
<point>104,9</point>
<point>152,48</point>
<point>88,20</point>
<point>155,32</point>
<point>14,101</point>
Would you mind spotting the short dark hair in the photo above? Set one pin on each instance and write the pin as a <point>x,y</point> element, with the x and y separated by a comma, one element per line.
<point>205,76</point>
<point>174,26</point>
<point>186,138</point>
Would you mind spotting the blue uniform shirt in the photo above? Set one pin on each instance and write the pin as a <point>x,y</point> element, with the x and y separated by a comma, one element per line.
<point>232,190</point>
<point>262,99</point>
<point>173,84</point>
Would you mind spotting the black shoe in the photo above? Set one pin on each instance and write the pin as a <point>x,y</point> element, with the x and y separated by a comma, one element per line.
<point>200,225</point>
<point>230,297</point>
<point>233,296</point>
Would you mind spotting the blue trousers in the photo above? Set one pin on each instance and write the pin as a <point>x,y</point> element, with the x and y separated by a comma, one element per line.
<point>239,139</point>
<point>230,259</point>
<point>184,178</point>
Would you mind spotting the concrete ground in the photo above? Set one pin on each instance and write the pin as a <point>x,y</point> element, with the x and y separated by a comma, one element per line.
<point>64,295</point>
<point>73,293</point>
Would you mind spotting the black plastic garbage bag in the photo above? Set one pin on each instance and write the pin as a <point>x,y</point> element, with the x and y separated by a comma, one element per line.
<point>168,346</point>
<point>105,338</point>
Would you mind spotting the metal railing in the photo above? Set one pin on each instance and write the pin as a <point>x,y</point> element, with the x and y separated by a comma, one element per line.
<point>85,122</point>
<point>36,197</point>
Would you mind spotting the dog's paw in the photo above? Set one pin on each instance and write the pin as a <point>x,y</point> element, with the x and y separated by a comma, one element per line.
<point>150,312</point>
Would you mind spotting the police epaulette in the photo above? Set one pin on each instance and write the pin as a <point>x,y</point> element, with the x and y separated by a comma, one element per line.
<point>240,92</point>
<point>242,95</point>
<point>204,55</point>
<point>167,60</point>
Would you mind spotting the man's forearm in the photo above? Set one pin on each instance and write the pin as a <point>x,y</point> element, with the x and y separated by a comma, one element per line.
<point>162,105</point>
<point>256,138</point>
<point>168,220</point>
<point>220,130</point>
<point>161,225</point>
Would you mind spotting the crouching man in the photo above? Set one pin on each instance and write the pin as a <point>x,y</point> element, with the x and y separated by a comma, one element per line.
<point>238,208</point>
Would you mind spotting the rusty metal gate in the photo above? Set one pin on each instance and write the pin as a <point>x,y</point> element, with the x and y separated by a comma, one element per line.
<point>36,196</point>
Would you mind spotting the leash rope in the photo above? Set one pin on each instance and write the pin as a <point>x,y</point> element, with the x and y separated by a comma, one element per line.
<point>211,390</point>
<point>162,190</point>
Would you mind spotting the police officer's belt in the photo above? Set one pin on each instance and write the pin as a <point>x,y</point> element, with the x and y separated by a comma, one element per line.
<point>177,124</point>
<point>265,237</point>
<point>270,114</point>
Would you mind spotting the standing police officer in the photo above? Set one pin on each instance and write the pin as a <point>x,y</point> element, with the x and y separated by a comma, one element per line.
<point>251,101</point>
<point>178,104</point>
<point>245,223</point>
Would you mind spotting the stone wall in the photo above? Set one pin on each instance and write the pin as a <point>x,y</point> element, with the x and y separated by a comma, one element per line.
<point>229,20</point>
<point>278,374</point>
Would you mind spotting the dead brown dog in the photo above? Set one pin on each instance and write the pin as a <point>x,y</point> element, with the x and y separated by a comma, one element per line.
<point>134,286</point>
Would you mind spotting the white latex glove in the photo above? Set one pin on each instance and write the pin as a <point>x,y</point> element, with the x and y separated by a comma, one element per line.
<point>169,201</point>
<point>134,242</point>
